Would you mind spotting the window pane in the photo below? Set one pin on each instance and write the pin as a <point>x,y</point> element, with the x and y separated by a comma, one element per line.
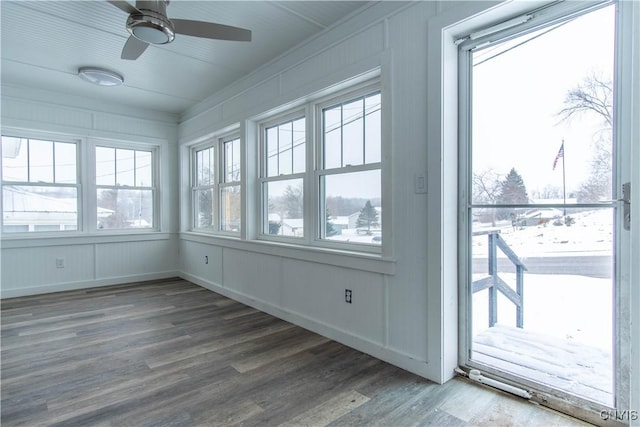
<point>14,159</point>
<point>105,166</point>
<point>143,169</point>
<point>299,158</point>
<point>353,211</point>
<point>65,167</point>
<point>125,167</point>
<point>372,129</point>
<point>272,151</point>
<point>230,208</point>
<point>571,110</point>
<point>232,160</point>
<point>204,207</point>
<point>40,161</point>
<point>120,208</point>
<point>287,155</point>
<point>332,137</point>
<point>539,252</point>
<point>205,170</point>
<point>353,133</point>
<point>31,207</point>
<point>286,159</point>
<point>285,208</point>
<point>285,145</point>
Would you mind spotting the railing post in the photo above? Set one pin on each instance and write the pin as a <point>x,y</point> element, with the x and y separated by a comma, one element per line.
<point>493,272</point>
<point>519,291</point>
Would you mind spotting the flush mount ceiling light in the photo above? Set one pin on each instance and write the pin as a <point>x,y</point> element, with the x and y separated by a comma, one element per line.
<point>100,76</point>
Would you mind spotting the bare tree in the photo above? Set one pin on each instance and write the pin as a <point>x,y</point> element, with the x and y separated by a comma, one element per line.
<point>486,186</point>
<point>594,96</point>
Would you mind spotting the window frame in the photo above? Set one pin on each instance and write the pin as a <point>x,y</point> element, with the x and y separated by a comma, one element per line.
<point>154,188</point>
<point>217,144</point>
<point>340,98</point>
<point>222,179</point>
<point>263,178</point>
<point>78,185</point>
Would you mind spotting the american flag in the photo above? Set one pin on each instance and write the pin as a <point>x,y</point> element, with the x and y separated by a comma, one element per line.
<point>559,155</point>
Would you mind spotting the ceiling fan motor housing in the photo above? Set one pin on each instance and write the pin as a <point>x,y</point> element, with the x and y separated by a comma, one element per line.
<point>151,26</point>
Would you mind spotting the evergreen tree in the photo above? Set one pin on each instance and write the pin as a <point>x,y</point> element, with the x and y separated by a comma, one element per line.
<point>512,191</point>
<point>368,217</point>
<point>274,227</point>
<point>329,229</point>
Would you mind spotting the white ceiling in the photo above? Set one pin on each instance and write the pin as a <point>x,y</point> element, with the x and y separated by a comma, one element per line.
<point>45,42</point>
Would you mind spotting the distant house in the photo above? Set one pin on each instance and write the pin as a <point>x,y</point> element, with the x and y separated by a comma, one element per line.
<point>31,211</point>
<point>539,216</point>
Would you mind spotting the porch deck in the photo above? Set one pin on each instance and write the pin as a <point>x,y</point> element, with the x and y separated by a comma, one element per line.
<point>564,364</point>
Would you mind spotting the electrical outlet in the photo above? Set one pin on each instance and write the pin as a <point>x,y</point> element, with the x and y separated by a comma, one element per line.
<point>348,294</point>
<point>59,262</point>
<point>206,259</point>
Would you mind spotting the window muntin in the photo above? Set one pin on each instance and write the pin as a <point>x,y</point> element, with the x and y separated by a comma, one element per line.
<point>217,186</point>
<point>125,188</point>
<point>40,189</point>
<point>350,171</point>
<point>283,176</point>
<point>230,198</point>
<point>204,188</point>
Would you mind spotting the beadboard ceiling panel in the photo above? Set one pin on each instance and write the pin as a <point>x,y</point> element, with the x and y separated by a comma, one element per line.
<point>45,42</point>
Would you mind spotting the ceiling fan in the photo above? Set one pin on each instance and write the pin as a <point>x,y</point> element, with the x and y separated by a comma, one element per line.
<point>148,24</point>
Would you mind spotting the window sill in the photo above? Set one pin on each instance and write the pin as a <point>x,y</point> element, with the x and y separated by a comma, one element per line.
<point>339,258</point>
<point>10,241</point>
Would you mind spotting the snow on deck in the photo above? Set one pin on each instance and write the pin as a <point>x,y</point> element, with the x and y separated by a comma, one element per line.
<point>568,365</point>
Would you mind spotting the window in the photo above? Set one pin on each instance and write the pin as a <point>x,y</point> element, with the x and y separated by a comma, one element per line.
<point>349,170</point>
<point>40,188</point>
<point>216,186</point>
<point>318,174</point>
<point>125,188</point>
<point>282,182</point>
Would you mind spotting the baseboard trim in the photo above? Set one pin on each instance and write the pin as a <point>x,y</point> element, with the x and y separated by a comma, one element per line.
<point>84,284</point>
<point>389,355</point>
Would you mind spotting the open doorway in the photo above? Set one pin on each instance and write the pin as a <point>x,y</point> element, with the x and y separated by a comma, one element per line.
<point>538,171</point>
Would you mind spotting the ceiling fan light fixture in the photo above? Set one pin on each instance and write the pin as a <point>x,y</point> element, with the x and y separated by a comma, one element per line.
<point>151,27</point>
<point>100,76</point>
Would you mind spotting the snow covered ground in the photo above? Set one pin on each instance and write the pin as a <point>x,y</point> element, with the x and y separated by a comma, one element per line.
<point>569,317</point>
<point>591,234</point>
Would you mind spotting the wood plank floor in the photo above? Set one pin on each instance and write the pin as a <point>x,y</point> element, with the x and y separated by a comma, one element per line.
<point>170,353</point>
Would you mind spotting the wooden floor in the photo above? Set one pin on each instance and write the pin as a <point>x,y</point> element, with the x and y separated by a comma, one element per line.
<point>170,353</point>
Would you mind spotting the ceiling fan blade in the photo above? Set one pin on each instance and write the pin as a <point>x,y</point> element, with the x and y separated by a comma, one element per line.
<point>124,6</point>
<point>211,30</point>
<point>133,48</point>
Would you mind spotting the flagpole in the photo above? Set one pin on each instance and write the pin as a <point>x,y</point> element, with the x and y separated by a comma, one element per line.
<point>564,187</point>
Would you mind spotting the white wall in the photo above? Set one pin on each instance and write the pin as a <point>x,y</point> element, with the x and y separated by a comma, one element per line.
<point>28,265</point>
<point>408,314</point>
<point>398,312</point>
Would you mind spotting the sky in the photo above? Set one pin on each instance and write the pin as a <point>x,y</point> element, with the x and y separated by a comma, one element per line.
<point>517,96</point>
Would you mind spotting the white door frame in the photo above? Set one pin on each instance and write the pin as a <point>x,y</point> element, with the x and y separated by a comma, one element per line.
<point>625,131</point>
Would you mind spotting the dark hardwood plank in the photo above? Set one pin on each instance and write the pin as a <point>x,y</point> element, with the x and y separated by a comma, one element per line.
<point>170,353</point>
